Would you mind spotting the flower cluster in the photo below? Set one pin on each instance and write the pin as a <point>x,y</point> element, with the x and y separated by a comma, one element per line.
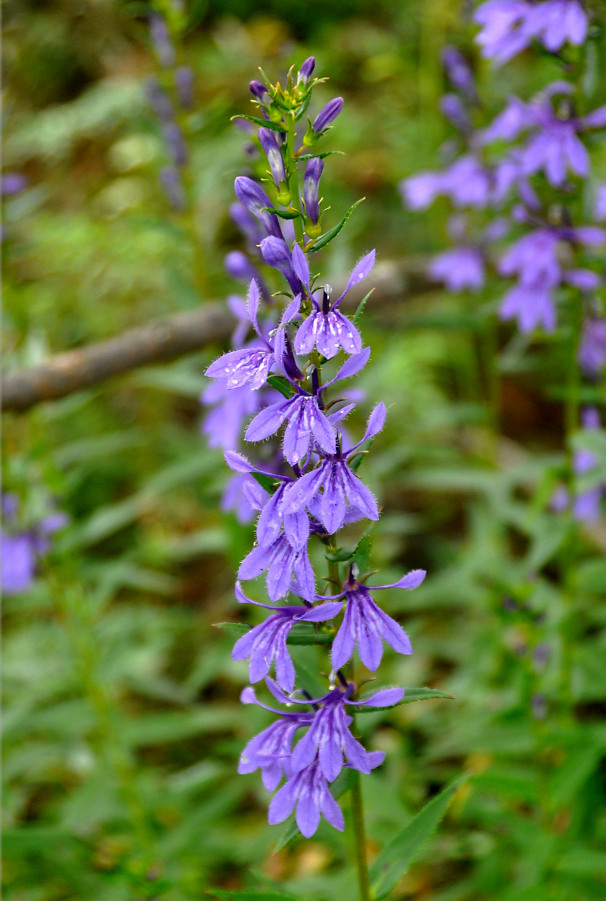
<point>173,91</point>
<point>23,546</point>
<point>288,357</point>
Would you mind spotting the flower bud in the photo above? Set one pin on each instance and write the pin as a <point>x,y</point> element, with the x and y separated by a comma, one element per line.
<point>175,143</point>
<point>276,253</point>
<point>452,109</point>
<point>306,70</point>
<point>160,37</point>
<point>258,90</point>
<point>311,189</point>
<point>184,83</point>
<point>254,198</point>
<point>239,266</point>
<point>274,155</point>
<point>327,114</point>
<point>459,73</point>
<point>158,99</point>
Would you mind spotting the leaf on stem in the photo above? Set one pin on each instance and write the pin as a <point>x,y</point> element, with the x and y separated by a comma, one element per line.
<point>328,236</point>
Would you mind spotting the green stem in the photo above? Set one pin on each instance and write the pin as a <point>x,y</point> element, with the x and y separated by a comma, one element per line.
<point>293,178</point>
<point>357,811</point>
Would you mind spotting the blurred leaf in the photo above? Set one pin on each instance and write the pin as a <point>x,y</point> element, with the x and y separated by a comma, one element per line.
<point>264,123</point>
<point>410,695</point>
<point>250,896</point>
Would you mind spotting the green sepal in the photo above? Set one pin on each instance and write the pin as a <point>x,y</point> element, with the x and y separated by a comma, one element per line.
<point>281,384</point>
<point>283,214</point>
<point>303,108</point>
<point>328,236</point>
<point>410,696</point>
<point>264,123</point>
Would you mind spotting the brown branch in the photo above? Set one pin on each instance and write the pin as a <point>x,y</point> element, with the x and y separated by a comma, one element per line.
<point>168,338</point>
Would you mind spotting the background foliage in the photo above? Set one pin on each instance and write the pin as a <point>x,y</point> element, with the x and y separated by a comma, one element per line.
<point>122,726</point>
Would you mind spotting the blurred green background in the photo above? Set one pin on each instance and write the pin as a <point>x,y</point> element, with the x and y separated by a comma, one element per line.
<point>122,726</point>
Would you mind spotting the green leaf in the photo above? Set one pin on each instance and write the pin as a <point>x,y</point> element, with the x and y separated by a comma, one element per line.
<point>264,123</point>
<point>328,236</point>
<point>361,554</point>
<point>361,307</point>
<point>396,857</point>
<point>310,156</point>
<point>591,576</point>
<point>341,555</point>
<point>303,108</point>
<point>264,481</point>
<point>233,628</point>
<point>250,896</point>
<point>283,214</point>
<point>410,696</point>
<point>281,384</point>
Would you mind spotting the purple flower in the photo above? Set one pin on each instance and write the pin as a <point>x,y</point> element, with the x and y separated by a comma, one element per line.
<point>282,563</point>
<point>173,187</point>
<point>270,751</point>
<point>338,484</point>
<point>308,791</point>
<point>267,642</point>
<point>328,739</point>
<point>13,183</point>
<point>161,40</point>
<point>305,420</point>
<point>274,155</point>
<point>467,182</point>
<point>531,304</point>
<point>327,115</point>
<point>592,349</point>
<point>311,189</point>
<point>158,99</point>
<point>253,197</point>
<point>587,504</point>
<point>600,202</point>
<point>247,365</point>
<point>184,83</point>
<point>306,70</point>
<point>556,22</point>
<point>244,496</point>
<point>18,562</point>
<point>460,269</point>
<point>503,35</point>
<point>229,408</point>
<point>326,327</point>
<point>247,225</point>
<point>366,625</point>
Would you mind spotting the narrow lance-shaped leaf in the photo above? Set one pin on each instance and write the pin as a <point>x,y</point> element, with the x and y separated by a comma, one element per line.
<point>328,236</point>
<point>396,857</point>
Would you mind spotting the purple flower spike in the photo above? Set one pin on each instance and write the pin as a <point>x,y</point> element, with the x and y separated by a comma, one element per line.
<point>308,791</point>
<point>13,183</point>
<point>366,625</point>
<point>305,420</point>
<point>311,188</point>
<point>276,253</point>
<point>267,642</point>
<point>18,562</point>
<point>453,109</point>
<point>258,90</point>
<point>253,197</point>
<point>184,83</point>
<point>306,70</point>
<point>587,506</point>
<point>327,115</point>
<point>274,155</point>
<point>281,562</point>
